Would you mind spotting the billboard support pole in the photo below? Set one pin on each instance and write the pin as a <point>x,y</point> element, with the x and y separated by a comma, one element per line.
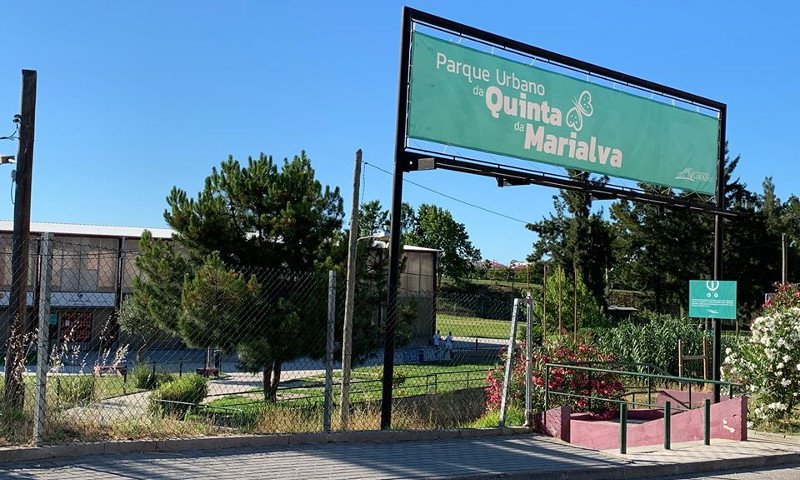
<point>394,235</point>
<point>718,238</point>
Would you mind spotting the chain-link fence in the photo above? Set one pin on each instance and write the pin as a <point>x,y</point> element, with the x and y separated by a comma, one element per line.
<point>164,354</point>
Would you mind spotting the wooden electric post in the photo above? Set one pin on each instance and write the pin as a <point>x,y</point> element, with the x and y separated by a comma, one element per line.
<point>20,250</point>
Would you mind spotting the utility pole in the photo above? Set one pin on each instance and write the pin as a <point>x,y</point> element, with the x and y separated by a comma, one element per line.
<point>349,301</point>
<point>784,259</point>
<point>20,250</point>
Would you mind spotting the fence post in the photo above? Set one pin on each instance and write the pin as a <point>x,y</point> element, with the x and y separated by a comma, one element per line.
<point>546,387</point>
<point>667,424</point>
<point>707,421</point>
<point>509,364</point>
<point>528,366</point>
<point>39,413</point>
<point>326,421</point>
<point>623,428</point>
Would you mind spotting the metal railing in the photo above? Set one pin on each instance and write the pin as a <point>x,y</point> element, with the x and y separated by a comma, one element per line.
<point>650,378</point>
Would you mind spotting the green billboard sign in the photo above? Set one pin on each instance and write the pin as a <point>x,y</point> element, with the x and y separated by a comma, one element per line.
<point>467,98</point>
<point>712,299</point>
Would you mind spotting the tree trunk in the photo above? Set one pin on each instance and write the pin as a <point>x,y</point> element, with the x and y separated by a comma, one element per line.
<point>144,348</point>
<point>276,380</point>
<point>266,381</point>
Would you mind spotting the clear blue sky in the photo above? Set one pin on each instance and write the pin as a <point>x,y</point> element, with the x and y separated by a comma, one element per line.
<point>135,97</point>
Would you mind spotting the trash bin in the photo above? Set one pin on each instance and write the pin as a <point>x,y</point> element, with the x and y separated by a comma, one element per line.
<point>421,355</point>
<point>216,359</point>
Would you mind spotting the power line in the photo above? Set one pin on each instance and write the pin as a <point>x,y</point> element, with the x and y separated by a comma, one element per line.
<point>451,197</point>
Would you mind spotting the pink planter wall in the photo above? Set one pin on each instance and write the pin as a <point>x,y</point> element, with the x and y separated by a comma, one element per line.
<point>728,421</point>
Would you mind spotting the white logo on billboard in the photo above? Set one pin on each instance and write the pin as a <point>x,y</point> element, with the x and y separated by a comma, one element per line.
<point>693,175</point>
<point>583,108</point>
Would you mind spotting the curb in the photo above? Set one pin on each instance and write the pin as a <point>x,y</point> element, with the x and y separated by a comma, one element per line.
<point>633,471</point>
<point>23,454</point>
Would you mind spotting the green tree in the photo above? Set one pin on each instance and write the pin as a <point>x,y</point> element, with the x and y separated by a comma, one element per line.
<point>561,294</point>
<point>372,218</point>
<point>154,306</point>
<point>261,221</point>
<point>659,250</point>
<point>576,238</point>
<point>434,227</point>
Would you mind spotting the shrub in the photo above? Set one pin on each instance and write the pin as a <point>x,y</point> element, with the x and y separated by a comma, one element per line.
<point>178,396</point>
<point>75,389</point>
<point>562,350</point>
<point>144,378</point>
<point>768,364</point>
<point>514,417</point>
<point>786,296</point>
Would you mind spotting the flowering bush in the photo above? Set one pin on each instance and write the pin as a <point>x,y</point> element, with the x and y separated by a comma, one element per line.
<point>786,296</point>
<point>566,380</point>
<point>768,364</point>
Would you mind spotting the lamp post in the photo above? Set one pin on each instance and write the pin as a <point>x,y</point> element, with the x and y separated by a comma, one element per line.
<point>347,329</point>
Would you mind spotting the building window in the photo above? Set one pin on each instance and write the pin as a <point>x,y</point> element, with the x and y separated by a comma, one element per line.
<point>76,326</point>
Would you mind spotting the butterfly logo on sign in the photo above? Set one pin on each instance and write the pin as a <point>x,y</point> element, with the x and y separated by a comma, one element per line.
<point>583,108</point>
<point>712,288</point>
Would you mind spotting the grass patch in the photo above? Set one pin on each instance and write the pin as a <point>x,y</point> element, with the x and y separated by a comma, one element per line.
<point>445,410</point>
<point>61,389</point>
<point>515,417</point>
<point>409,380</point>
<point>465,326</point>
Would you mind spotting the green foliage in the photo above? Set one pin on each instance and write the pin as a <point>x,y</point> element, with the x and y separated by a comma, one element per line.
<point>434,227</point>
<point>652,338</point>
<point>659,250</point>
<point>178,396</point>
<point>515,417</point>
<point>372,218</point>
<point>259,215</point>
<point>248,218</point>
<point>216,303</point>
<point>75,389</point>
<point>561,350</point>
<point>786,296</point>
<point>590,311</point>
<point>576,238</point>
<point>155,301</point>
<point>143,377</point>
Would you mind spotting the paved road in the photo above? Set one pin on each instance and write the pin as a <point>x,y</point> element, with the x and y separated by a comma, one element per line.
<point>784,473</point>
<point>405,460</point>
<point>533,456</point>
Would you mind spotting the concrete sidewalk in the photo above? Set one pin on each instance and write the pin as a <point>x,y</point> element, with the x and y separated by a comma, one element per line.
<point>518,456</point>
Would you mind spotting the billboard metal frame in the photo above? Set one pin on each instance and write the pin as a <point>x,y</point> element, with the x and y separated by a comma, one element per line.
<point>410,159</point>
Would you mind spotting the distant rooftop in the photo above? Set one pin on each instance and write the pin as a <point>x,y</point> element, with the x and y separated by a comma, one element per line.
<point>79,229</point>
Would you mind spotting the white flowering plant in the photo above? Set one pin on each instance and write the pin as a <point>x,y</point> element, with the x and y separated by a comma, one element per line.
<point>768,364</point>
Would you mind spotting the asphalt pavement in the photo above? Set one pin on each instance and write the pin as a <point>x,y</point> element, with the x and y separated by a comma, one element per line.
<point>517,456</point>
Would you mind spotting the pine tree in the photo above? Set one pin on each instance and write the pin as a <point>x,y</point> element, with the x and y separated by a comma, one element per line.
<point>245,250</point>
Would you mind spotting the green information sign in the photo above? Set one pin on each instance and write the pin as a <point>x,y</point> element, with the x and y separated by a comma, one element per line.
<point>464,97</point>
<point>712,299</point>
